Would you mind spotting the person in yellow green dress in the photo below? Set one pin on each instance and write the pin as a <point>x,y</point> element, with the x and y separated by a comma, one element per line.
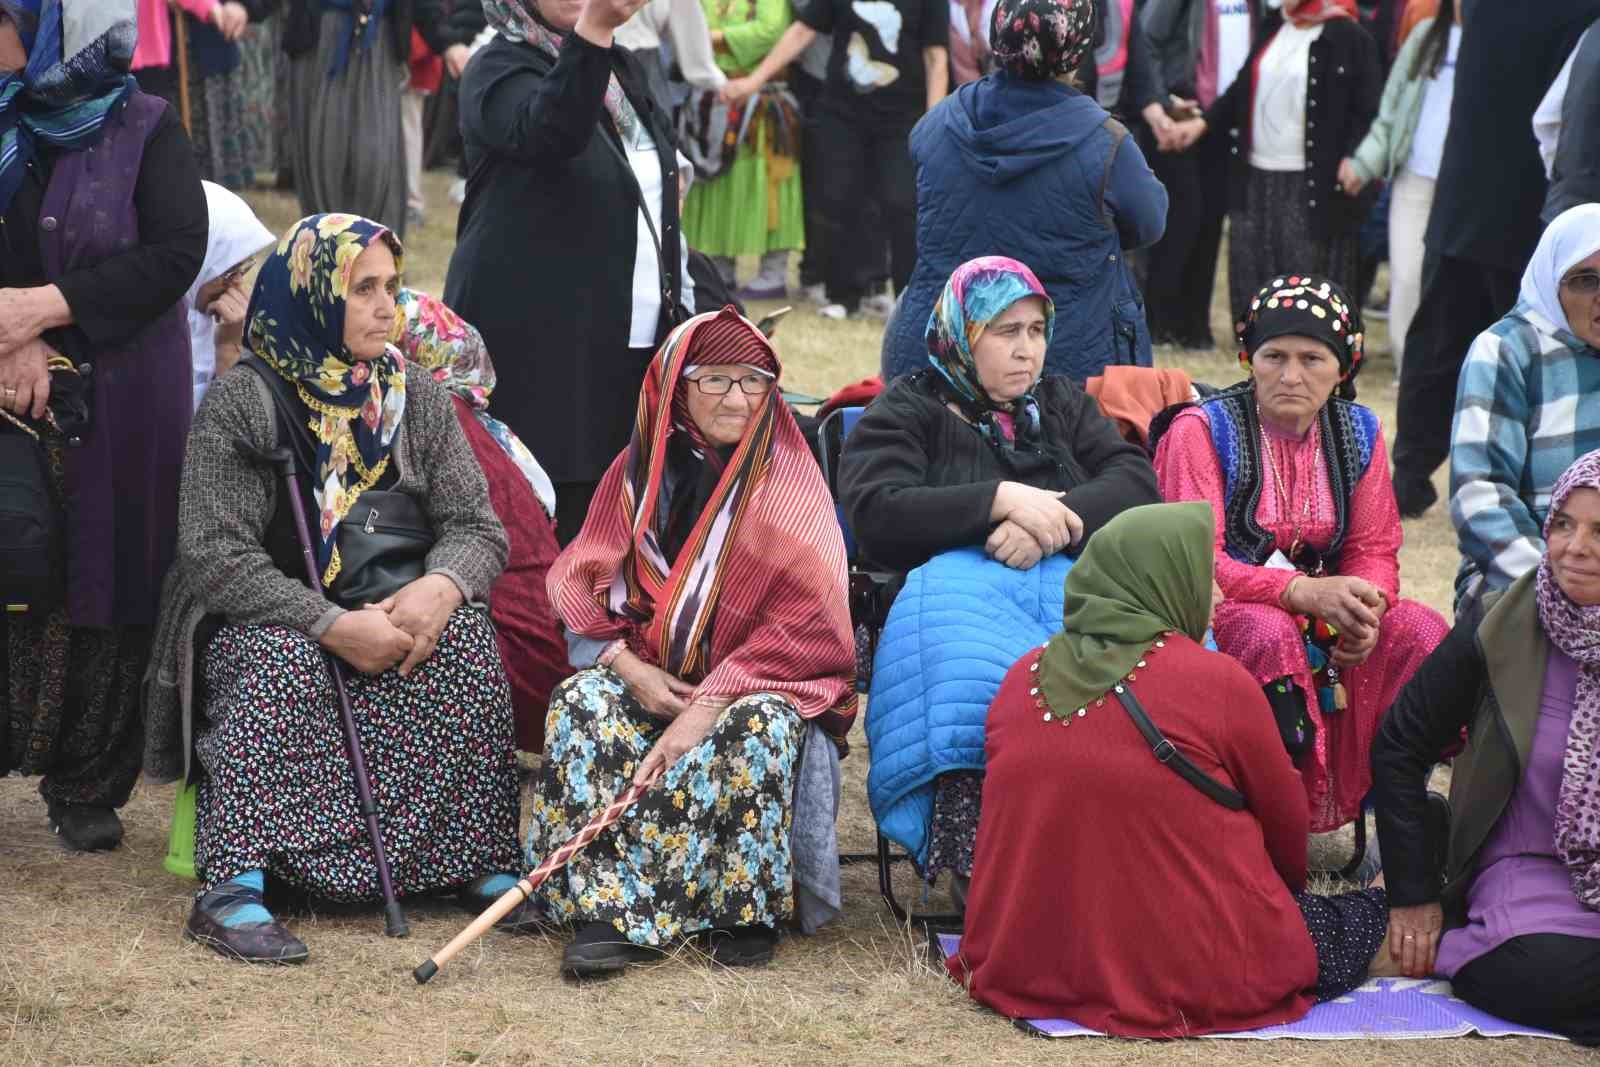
<point>746,197</point>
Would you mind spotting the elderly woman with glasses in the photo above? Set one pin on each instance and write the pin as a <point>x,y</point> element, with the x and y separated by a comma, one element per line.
<point>704,601</point>
<point>1527,406</point>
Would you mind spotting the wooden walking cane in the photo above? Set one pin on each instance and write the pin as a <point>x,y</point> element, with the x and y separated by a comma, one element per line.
<point>180,44</point>
<point>529,882</point>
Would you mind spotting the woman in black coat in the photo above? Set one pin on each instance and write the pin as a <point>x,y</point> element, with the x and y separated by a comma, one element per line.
<point>981,450</point>
<point>1303,101</point>
<point>554,261</point>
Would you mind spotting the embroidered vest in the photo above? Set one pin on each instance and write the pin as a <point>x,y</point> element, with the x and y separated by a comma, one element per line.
<point>1348,433</point>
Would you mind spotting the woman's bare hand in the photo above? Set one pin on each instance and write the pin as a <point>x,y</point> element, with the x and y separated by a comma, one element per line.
<point>421,609</point>
<point>1414,933</point>
<point>684,733</point>
<point>1014,546</point>
<point>367,640</point>
<point>600,19</point>
<point>25,379</point>
<point>662,694</point>
<point>1353,605</point>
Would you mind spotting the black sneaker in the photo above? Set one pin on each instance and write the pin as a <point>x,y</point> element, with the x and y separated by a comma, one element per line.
<point>86,827</point>
<point>741,946</point>
<point>599,949</point>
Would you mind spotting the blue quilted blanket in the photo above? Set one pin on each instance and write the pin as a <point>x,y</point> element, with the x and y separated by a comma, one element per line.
<point>954,631</point>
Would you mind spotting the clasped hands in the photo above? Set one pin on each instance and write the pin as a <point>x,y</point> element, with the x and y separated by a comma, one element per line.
<point>1032,524</point>
<point>1354,605</point>
<point>666,696</point>
<point>401,629</point>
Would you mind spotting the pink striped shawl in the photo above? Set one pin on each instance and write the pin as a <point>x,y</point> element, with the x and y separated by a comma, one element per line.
<point>763,569</point>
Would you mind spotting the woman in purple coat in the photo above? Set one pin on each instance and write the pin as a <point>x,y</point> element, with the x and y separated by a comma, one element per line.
<point>102,228</point>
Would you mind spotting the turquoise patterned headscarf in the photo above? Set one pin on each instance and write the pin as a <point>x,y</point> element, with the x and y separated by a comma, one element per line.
<point>296,326</point>
<point>979,290</point>
<point>79,54</point>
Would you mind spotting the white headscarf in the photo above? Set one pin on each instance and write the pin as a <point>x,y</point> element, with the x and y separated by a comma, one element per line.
<point>1571,237</point>
<point>235,235</point>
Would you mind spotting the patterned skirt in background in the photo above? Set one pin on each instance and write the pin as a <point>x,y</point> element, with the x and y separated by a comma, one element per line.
<point>280,794</point>
<point>708,846</point>
<point>1346,931</point>
<point>957,801</point>
<point>69,697</point>
<point>258,97</point>
<point>1272,235</point>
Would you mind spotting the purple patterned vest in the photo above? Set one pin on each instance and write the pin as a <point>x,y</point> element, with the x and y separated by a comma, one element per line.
<point>122,474</point>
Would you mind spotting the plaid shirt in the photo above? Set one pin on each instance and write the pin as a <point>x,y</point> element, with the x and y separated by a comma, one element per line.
<point>1527,406</point>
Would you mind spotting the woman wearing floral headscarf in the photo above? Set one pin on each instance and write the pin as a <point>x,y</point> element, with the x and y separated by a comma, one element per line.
<point>1308,538</point>
<point>240,667</point>
<point>1514,922</point>
<point>1023,164</point>
<point>535,656</point>
<point>977,451</point>
<point>980,447</point>
<point>102,227</point>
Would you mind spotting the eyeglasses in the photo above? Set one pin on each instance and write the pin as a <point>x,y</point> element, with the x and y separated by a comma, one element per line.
<point>1584,283</point>
<point>722,384</point>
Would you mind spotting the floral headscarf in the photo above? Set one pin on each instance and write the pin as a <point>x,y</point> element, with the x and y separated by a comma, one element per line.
<point>296,326</point>
<point>1038,39</point>
<point>516,20</point>
<point>1308,306</point>
<point>435,338</point>
<point>979,290</point>
<point>1575,630</point>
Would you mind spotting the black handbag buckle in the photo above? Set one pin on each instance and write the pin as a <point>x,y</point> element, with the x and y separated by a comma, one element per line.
<point>1165,751</point>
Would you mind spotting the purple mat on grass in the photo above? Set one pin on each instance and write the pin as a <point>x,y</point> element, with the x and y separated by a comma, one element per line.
<point>1385,1008</point>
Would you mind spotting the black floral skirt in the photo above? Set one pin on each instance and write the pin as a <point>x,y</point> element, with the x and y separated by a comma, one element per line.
<point>708,846</point>
<point>1272,236</point>
<point>69,697</point>
<point>280,795</point>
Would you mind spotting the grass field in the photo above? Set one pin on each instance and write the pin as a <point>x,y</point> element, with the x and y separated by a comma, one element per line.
<point>93,970</point>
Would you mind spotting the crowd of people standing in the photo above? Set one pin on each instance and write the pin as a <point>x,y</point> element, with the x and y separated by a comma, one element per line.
<point>566,506</point>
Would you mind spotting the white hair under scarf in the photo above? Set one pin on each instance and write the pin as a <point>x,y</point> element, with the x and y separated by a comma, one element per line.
<point>234,235</point>
<point>1571,237</point>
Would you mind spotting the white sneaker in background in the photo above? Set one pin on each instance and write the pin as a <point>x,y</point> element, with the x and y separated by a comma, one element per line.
<point>817,294</point>
<point>833,311</point>
<point>880,305</point>
<point>458,191</point>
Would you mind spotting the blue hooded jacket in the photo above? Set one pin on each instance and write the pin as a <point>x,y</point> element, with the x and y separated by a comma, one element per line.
<point>1015,168</point>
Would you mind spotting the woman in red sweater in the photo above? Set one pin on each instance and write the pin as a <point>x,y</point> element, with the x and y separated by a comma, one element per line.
<point>1107,889</point>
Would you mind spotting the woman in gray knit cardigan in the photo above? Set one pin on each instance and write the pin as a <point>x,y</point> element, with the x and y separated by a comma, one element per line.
<point>239,676</point>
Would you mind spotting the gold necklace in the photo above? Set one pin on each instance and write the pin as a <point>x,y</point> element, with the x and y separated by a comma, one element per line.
<point>1282,490</point>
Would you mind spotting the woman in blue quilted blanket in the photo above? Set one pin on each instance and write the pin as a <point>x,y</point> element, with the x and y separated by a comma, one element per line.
<point>982,452</point>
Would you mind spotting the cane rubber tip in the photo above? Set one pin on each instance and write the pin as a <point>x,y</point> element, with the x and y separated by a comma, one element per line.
<point>395,921</point>
<point>425,972</point>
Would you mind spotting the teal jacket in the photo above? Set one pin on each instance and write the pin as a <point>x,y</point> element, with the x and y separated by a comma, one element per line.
<point>1383,152</point>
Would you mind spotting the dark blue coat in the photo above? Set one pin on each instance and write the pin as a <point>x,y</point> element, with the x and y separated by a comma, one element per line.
<point>1015,168</point>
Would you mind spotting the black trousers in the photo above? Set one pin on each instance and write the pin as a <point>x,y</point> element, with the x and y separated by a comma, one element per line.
<point>1460,299</point>
<point>1551,981</point>
<point>1182,266</point>
<point>864,163</point>
<point>572,507</point>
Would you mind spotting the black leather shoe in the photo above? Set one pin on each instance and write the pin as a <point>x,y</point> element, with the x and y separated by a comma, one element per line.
<point>267,942</point>
<point>600,949</point>
<point>1413,496</point>
<point>86,827</point>
<point>741,946</point>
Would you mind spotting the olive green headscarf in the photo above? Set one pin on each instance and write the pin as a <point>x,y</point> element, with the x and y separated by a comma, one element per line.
<point>1145,572</point>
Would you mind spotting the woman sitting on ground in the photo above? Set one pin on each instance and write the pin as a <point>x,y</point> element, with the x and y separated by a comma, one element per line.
<point>977,451</point>
<point>1521,886</point>
<point>1193,916</point>
<point>1308,538</point>
<point>705,598</point>
<point>426,689</point>
<point>535,656</point>
<point>978,448</point>
<point>1527,406</point>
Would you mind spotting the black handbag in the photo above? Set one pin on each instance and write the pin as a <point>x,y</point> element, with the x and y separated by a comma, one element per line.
<point>29,555</point>
<point>383,541</point>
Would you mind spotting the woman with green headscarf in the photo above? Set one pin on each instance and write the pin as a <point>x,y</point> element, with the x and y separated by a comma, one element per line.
<point>1110,890</point>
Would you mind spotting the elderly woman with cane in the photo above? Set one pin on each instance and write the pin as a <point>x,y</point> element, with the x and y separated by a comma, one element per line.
<point>404,551</point>
<point>705,598</point>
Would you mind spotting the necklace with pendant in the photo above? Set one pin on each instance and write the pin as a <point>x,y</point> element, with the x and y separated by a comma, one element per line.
<point>1281,489</point>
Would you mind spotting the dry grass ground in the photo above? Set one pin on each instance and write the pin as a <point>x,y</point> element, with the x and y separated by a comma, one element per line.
<point>93,970</point>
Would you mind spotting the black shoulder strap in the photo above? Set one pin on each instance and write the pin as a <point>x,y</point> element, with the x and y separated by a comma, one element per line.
<point>1166,752</point>
<point>290,414</point>
<point>1119,133</point>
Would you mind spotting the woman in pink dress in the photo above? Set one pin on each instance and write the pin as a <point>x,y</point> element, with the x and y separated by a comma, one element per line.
<point>1308,536</point>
